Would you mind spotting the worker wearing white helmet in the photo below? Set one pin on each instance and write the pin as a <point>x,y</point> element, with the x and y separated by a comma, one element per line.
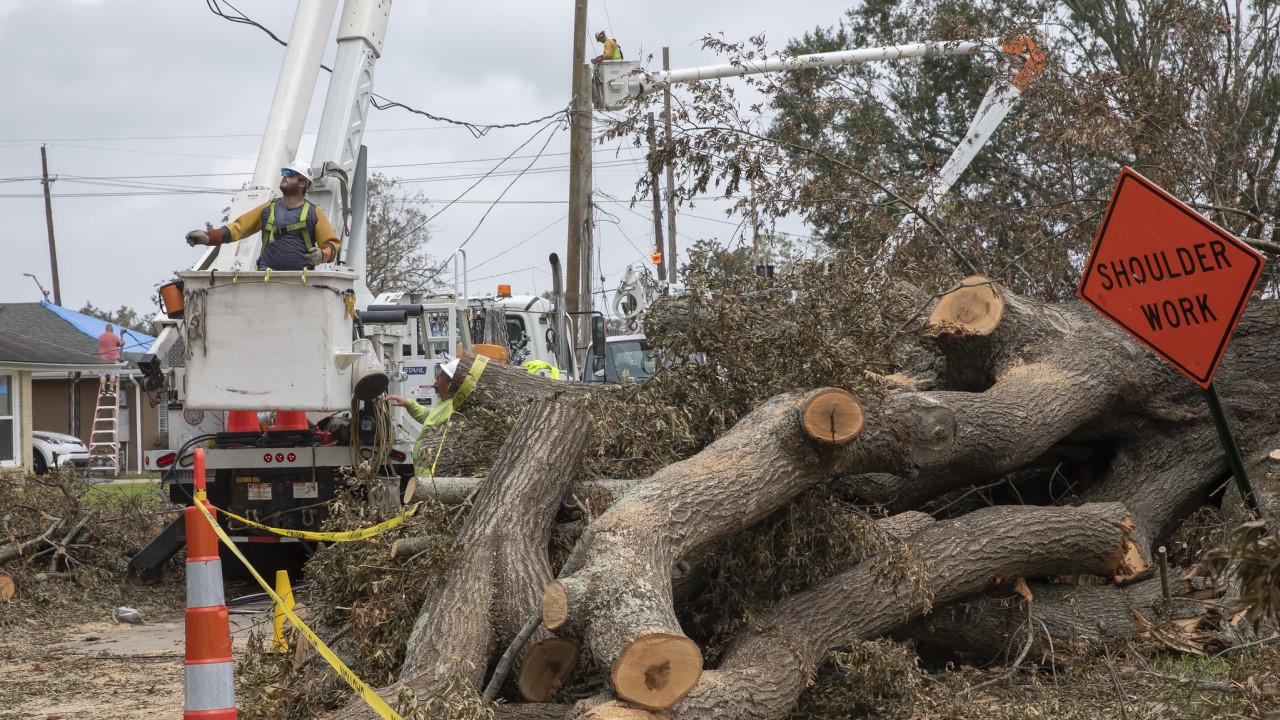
<point>437,415</point>
<point>295,233</point>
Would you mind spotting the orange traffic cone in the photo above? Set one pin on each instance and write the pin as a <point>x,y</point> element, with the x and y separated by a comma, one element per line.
<point>209,688</point>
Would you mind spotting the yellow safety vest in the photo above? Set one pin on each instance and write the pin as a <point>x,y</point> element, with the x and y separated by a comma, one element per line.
<point>270,230</point>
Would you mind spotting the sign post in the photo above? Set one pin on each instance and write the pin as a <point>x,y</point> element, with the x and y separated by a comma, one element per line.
<point>1177,283</point>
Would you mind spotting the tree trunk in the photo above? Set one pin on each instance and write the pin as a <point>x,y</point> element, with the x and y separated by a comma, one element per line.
<point>1066,618</point>
<point>767,668</point>
<point>451,490</point>
<point>494,584</point>
<point>503,384</point>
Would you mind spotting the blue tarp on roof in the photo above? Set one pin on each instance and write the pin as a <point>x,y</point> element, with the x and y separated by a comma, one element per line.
<point>134,342</point>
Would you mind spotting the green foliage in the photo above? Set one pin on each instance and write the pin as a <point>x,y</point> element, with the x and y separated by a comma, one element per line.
<point>722,264</point>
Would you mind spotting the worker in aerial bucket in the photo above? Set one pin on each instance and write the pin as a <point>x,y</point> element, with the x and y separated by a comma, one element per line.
<point>423,463</point>
<point>612,51</point>
<point>295,233</point>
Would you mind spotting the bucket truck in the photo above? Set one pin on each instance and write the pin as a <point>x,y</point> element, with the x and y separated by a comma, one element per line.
<point>278,374</point>
<point>618,81</point>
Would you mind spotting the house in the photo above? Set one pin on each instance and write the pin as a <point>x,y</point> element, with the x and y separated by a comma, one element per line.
<point>20,358</point>
<point>57,349</point>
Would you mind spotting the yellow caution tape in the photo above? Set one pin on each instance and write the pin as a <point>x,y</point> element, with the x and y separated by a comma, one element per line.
<point>469,382</point>
<point>364,691</point>
<point>346,536</point>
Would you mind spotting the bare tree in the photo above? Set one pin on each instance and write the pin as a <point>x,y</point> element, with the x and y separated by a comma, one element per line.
<point>397,258</point>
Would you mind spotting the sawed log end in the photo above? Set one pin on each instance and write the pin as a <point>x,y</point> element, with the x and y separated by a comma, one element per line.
<point>555,605</point>
<point>832,417</point>
<point>656,670</point>
<point>974,306</point>
<point>545,667</point>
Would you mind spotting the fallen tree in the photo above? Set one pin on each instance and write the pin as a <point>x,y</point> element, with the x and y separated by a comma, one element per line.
<point>1030,402</point>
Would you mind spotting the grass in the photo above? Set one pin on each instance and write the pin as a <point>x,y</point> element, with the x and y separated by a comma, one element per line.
<point>146,491</point>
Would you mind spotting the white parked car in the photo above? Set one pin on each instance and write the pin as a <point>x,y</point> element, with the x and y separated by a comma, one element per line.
<point>56,449</point>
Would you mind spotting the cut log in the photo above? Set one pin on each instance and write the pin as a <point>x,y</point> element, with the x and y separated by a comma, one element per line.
<point>531,711</point>
<point>496,581</point>
<point>833,417</point>
<point>766,669</point>
<point>18,549</point>
<point>548,662</point>
<point>974,306</point>
<point>410,546</point>
<point>503,384</point>
<point>7,588</point>
<point>450,490</point>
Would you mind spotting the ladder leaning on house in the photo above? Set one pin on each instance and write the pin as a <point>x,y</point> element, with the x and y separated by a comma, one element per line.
<point>104,440</point>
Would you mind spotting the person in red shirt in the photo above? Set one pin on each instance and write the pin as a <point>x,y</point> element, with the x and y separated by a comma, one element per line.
<point>109,345</point>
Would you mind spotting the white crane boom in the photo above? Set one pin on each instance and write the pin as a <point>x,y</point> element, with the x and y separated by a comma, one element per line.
<point>618,81</point>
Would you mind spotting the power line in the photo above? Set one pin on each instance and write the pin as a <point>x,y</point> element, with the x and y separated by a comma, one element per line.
<point>477,182</point>
<point>504,191</point>
<point>550,225</point>
<point>378,101</point>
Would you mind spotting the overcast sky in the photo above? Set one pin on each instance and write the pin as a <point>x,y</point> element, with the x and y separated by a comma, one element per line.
<point>141,101</point>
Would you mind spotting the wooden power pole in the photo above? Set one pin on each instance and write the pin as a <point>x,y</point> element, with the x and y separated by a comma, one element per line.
<point>578,252</point>
<point>656,192</point>
<point>48,220</point>
<point>670,257</point>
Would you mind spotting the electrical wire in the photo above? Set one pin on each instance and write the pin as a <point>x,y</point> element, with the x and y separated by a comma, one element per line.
<point>504,192</point>
<point>436,214</point>
<point>550,225</point>
<point>477,130</point>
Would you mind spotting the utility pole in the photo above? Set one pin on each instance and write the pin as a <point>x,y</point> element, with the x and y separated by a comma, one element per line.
<point>657,201</point>
<point>579,243</point>
<point>670,257</point>
<point>48,219</point>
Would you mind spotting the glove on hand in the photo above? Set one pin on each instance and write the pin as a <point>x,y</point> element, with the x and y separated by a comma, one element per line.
<point>197,237</point>
<point>314,256</point>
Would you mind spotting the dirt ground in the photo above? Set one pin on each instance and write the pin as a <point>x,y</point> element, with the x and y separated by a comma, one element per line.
<point>85,665</point>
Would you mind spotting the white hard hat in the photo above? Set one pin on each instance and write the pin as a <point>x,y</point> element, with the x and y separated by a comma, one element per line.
<point>299,167</point>
<point>449,367</point>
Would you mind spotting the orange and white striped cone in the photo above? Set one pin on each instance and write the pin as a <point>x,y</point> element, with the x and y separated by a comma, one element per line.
<point>209,689</point>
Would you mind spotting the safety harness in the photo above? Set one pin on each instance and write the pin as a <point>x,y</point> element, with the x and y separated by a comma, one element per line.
<point>270,231</point>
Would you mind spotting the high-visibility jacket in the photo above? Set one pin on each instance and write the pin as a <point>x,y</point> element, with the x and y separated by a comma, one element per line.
<point>313,229</point>
<point>612,51</point>
<point>429,418</point>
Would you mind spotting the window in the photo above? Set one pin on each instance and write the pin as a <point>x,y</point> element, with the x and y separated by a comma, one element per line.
<point>8,421</point>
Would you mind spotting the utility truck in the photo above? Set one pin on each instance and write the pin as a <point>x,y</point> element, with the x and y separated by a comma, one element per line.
<point>278,375</point>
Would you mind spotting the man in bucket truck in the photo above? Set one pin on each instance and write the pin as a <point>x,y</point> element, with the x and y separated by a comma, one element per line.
<point>295,233</point>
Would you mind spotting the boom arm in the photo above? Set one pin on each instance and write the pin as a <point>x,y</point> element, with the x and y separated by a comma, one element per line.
<point>617,82</point>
